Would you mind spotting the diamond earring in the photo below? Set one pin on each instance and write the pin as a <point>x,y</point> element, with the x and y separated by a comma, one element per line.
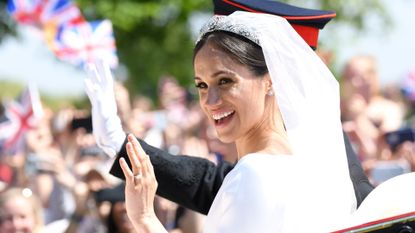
<point>270,93</point>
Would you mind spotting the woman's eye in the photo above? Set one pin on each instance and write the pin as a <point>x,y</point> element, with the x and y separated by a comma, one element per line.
<point>201,85</point>
<point>223,81</point>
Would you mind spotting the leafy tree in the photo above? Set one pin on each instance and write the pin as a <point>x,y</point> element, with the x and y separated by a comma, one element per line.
<point>7,25</point>
<point>154,37</point>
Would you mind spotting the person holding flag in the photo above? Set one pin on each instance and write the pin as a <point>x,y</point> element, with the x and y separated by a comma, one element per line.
<point>20,116</point>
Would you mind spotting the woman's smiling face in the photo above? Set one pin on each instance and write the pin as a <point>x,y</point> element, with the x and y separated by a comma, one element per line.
<point>232,97</point>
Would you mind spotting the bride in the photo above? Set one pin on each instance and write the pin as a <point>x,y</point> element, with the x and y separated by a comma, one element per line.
<point>263,88</point>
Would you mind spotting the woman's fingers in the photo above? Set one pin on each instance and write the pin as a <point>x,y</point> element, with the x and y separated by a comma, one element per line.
<point>141,154</point>
<point>141,164</point>
<point>133,156</point>
<point>129,176</point>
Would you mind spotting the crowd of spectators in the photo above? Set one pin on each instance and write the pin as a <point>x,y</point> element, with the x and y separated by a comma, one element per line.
<point>60,181</point>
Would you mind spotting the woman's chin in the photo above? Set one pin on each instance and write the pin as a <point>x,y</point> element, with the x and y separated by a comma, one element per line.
<point>225,138</point>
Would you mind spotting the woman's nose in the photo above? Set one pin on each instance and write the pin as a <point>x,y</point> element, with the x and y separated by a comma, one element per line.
<point>213,97</point>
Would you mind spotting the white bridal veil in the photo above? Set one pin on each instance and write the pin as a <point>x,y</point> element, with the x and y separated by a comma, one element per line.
<point>308,97</point>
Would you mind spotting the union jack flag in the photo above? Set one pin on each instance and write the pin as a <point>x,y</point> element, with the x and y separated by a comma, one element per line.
<point>85,42</point>
<point>41,12</point>
<point>61,12</point>
<point>25,11</point>
<point>19,116</point>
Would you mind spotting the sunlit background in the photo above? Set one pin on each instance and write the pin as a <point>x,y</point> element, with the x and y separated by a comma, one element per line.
<point>26,58</point>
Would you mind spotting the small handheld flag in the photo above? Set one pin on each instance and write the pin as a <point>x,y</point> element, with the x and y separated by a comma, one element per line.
<point>20,115</point>
<point>85,42</point>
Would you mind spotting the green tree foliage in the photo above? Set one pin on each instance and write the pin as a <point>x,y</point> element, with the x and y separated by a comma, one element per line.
<point>154,39</point>
<point>9,90</point>
<point>7,25</point>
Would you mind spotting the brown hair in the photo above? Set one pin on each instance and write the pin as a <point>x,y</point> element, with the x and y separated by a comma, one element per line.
<point>237,47</point>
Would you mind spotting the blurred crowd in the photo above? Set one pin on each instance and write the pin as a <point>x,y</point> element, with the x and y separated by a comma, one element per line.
<point>378,120</point>
<point>60,181</point>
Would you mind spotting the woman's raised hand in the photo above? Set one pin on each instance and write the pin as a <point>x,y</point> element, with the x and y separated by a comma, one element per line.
<point>140,188</point>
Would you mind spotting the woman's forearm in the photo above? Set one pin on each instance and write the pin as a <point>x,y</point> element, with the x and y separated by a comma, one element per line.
<point>148,225</point>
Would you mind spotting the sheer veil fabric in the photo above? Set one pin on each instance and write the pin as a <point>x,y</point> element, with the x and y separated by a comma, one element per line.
<point>308,97</point>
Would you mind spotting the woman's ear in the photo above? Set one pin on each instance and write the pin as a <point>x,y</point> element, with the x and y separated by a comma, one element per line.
<point>268,85</point>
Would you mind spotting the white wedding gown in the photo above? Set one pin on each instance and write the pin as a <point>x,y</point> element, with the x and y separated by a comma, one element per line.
<point>279,193</point>
<point>275,193</point>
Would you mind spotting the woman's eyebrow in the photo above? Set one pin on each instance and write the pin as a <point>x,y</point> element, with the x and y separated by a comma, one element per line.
<point>223,72</point>
<point>216,74</point>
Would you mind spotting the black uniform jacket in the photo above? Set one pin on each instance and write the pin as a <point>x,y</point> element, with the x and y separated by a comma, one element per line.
<point>193,182</point>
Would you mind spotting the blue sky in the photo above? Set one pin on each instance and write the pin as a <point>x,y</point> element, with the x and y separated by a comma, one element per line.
<point>28,59</point>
